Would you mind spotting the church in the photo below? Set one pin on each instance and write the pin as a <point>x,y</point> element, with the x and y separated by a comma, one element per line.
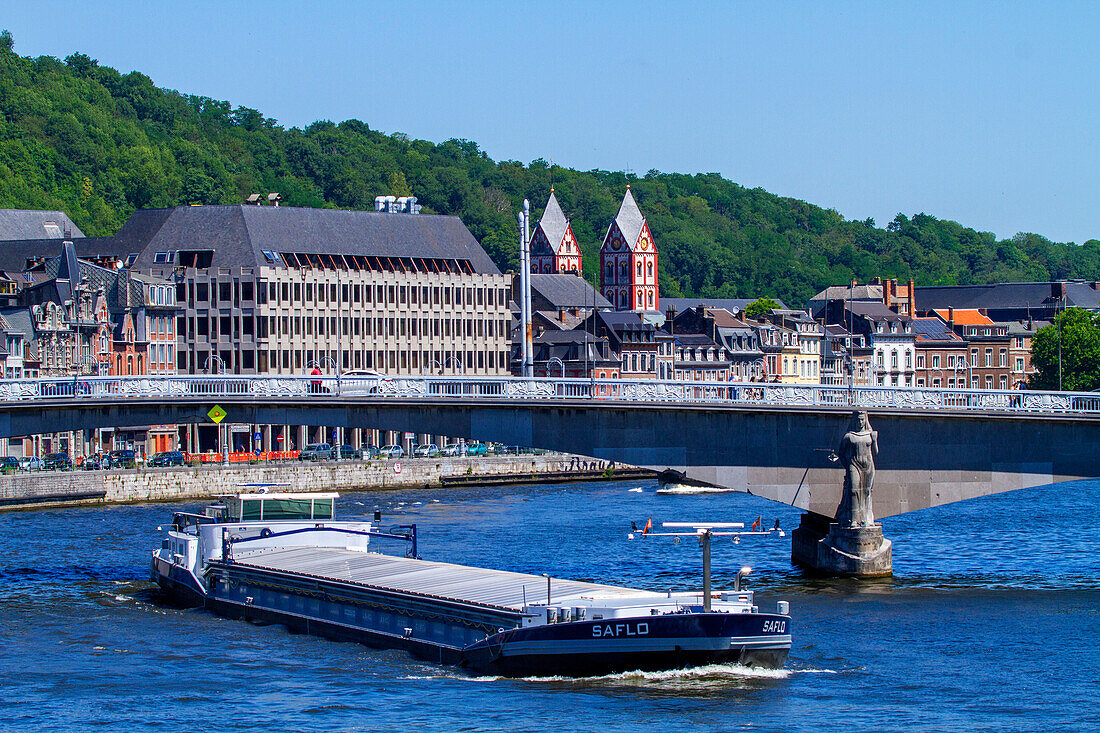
<point>628,261</point>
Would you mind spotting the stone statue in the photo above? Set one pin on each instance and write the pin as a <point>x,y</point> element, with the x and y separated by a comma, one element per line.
<point>857,453</point>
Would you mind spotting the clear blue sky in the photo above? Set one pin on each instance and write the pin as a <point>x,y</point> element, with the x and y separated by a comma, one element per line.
<point>986,113</point>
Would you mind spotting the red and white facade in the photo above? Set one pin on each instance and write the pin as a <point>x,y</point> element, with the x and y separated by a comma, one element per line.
<point>553,247</point>
<point>628,261</point>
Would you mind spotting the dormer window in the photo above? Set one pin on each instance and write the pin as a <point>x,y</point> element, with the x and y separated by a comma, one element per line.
<point>163,258</point>
<point>270,256</point>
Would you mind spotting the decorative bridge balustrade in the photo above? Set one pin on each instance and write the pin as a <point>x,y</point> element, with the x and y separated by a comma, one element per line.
<point>325,388</point>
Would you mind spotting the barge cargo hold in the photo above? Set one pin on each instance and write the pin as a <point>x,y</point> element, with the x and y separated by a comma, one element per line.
<point>280,558</point>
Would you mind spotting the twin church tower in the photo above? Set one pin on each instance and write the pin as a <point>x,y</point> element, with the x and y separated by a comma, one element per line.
<point>628,255</point>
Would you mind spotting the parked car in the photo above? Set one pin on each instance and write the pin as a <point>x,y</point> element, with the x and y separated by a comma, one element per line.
<point>121,459</point>
<point>348,451</point>
<point>57,462</point>
<point>167,458</point>
<point>31,463</point>
<point>476,449</point>
<point>429,450</point>
<point>9,464</point>
<point>316,452</point>
<point>392,451</point>
<point>93,462</point>
<point>370,451</point>
<point>451,450</point>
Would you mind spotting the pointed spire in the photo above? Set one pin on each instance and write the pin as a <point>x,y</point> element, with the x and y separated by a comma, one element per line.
<point>629,218</point>
<point>69,267</point>
<point>553,222</point>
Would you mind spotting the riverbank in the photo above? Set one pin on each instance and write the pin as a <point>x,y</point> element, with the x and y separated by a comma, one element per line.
<point>60,488</point>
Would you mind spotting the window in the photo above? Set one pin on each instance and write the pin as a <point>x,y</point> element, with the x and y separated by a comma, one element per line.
<point>1003,361</point>
<point>162,258</point>
<point>1004,381</point>
<point>1019,364</point>
<point>989,357</point>
<point>989,381</point>
<point>270,256</point>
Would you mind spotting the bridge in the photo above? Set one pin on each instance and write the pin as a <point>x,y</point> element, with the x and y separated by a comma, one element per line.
<point>936,446</point>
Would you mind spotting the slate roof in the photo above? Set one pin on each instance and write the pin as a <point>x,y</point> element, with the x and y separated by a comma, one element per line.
<point>729,304</point>
<point>565,291</point>
<point>876,311</point>
<point>933,329</point>
<point>630,219</point>
<point>553,222</point>
<point>1006,295</point>
<point>14,254</point>
<point>239,234</point>
<point>18,224</point>
<point>843,292</point>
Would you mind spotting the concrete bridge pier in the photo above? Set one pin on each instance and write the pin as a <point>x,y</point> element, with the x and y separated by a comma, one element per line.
<point>821,545</point>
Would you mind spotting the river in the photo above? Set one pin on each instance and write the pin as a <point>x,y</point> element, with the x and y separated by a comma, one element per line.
<point>991,623</point>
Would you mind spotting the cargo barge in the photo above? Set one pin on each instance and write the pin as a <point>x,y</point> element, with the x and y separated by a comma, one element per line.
<point>283,558</point>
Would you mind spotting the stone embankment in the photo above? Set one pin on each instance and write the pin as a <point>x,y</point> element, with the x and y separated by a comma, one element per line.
<point>26,490</point>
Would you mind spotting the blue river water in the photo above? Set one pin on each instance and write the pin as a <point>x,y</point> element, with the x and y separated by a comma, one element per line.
<point>991,623</point>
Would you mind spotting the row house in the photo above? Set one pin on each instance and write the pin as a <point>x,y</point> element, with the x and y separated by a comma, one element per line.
<point>643,352</point>
<point>941,354</point>
<point>988,365</point>
<point>803,337</point>
<point>846,357</point>
<point>890,335</point>
<point>699,358</point>
<point>738,339</point>
<point>574,353</point>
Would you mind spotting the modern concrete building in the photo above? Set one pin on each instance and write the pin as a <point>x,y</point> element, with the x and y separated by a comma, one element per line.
<point>283,290</point>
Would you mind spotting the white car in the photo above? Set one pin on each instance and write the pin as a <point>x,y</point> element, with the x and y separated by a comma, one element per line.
<point>392,451</point>
<point>450,450</point>
<point>31,463</point>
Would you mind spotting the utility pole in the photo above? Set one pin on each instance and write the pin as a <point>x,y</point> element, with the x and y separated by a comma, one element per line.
<point>1058,318</point>
<point>526,356</point>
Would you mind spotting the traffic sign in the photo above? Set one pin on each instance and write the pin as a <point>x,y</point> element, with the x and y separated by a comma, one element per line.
<point>256,435</point>
<point>397,467</point>
<point>217,414</point>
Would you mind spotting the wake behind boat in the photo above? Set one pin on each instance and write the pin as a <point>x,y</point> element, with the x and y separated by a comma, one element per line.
<point>283,558</point>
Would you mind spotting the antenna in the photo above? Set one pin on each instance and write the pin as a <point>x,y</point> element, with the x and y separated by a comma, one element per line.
<point>705,531</point>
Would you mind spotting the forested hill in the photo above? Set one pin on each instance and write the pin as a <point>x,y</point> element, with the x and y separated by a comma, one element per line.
<point>98,144</point>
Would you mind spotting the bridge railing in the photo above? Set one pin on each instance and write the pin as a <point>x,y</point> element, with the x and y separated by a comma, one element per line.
<point>213,387</point>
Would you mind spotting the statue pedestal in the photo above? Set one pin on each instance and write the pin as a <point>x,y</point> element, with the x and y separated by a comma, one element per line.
<point>823,546</point>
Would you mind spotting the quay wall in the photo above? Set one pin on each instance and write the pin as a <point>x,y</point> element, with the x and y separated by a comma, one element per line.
<point>26,490</point>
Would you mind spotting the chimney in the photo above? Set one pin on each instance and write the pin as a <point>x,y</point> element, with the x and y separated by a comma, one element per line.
<point>887,292</point>
<point>912,299</point>
<point>951,318</point>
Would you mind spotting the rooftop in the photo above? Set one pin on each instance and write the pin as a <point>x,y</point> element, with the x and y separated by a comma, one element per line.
<point>20,224</point>
<point>964,316</point>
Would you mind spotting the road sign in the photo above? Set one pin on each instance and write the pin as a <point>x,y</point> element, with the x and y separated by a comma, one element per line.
<point>257,436</point>
<point>217,414</point>
<point>279,438</point>
<point>397,467</point>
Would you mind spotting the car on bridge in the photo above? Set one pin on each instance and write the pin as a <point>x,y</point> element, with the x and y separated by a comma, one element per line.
<point>454,449</point>
<point>167,458</point>
<point>9,464</point>
<point>429,450</point>
<point>317,452</point>
<point>348,452</point>
<point>392,451</point>
<point>476,449</point>
<point>31,463</point>
<point>59,461</point>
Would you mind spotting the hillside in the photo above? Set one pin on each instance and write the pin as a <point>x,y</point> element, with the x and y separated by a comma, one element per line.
<point>98,144</point>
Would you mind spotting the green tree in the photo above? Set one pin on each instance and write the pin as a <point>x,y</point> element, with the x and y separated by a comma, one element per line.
<point>1070,346</point>
<point>760,307</point>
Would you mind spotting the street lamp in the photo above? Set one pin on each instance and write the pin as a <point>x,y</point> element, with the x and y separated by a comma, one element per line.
<point>218,361</point>
<point>560,363</point>
<point>456,360</point>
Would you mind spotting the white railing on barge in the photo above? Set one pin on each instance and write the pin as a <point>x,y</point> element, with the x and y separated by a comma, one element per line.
<point>324,388</point>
